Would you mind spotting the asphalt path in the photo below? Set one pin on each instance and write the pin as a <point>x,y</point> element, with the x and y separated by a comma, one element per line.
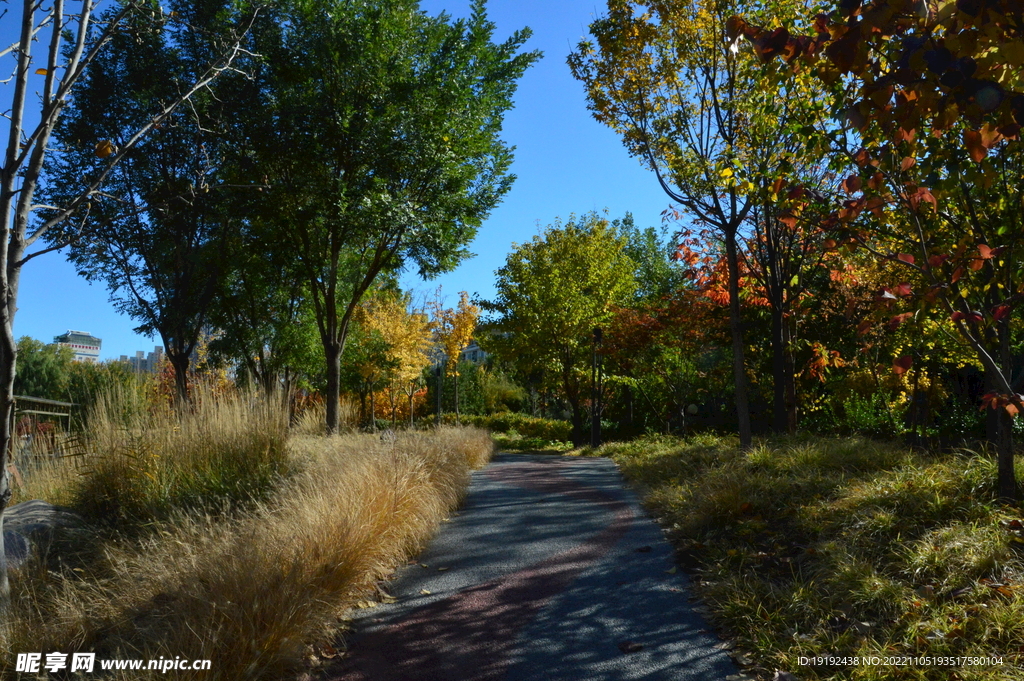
<point>551,570</point>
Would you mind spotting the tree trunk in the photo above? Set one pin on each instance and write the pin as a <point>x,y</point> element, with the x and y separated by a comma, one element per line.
<point>790,375</point>
<point>373,411</point>
<point>180,360</point>
<point>735,326</point>
<point>457,420</point>
<point>8,358</point>
<point>1006,476</point>
<point>333,397</point>
<point>780,413</point>
<point>578,434</point>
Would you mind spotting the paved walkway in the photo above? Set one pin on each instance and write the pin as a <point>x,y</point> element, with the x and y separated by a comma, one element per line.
<point>551,571</point>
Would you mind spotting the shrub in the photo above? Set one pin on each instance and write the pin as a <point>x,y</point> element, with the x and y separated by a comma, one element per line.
<point>142,465</point>
<point>529,427</point>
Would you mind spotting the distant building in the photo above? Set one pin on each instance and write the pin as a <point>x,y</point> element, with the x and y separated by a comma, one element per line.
<point>85,345</point>
<point>473,353</point>
<point>145,364</point>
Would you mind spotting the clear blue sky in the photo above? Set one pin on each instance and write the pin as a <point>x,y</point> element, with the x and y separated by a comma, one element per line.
<point>565,162</point>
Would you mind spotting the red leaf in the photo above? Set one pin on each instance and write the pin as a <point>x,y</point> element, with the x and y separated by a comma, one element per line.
<point>905,257</point>
<point>957,273</point>
<point>830,244</point>
<point>861,157</point>
<point>1001,312</point>
<point>976,264</point>
<point>903,289</point>
<point>958,315</point>
<point>977,150</point>
<point>899,319</point>
<point>907,163</point>
<point>864,327</point>
<point>922,194</point>
<point>901,365</point>
<point>852,184</point>
<point>984,251</point>
<point>937,260</point>
<point>975,318</point>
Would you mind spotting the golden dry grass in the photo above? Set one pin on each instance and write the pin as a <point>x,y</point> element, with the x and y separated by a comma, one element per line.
<point>252,591</point>
<point>819,547</point>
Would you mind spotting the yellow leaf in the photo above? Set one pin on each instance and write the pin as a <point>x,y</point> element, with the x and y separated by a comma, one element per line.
<point>726,172</point>
<point>424,592</point>
<point>104,148</point>
<point>42,72</point>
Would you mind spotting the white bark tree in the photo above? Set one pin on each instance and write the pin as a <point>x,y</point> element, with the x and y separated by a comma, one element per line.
<point>59,66</point>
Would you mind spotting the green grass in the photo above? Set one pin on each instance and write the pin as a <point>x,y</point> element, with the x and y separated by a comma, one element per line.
<point>814,547</point>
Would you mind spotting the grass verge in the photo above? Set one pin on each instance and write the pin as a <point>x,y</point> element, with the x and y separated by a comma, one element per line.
<point>255,589</point>
<point>843,548</point>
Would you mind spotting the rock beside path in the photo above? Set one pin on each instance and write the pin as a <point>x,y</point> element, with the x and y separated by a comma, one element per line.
<point>31,523</point>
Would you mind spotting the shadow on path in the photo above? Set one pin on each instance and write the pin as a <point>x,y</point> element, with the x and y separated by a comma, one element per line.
<point>482,631</point>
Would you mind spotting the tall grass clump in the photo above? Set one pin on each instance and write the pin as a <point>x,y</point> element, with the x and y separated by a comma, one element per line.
<point>259,593</point>
<point>144,463</point>
<point>847,547</point>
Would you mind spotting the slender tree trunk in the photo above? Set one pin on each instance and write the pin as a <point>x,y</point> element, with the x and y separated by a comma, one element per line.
<point>457,416</point>
<point>780,414</point>
<point>373,411</point>
<point>333,397</point>
<point>391,400</point>
<point>180,360</point>
<point>578,434</point>
<point>736,327</point>
<point>1007,477</point>
<point>8,357</point>
<point>790,375</point>
<point>412,415</point>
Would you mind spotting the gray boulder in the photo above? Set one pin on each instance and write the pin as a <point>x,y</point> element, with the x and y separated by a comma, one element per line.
<point>30,524</point>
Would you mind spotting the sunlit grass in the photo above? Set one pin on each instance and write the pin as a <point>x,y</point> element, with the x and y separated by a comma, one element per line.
<point>842,546</point>
<point>191,551</point>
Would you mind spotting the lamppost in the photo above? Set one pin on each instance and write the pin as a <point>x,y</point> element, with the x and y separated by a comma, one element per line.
<point>595,391</point>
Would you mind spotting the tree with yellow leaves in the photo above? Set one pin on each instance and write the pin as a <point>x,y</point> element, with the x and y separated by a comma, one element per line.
<point>406,334</point>
<point>453,329</point>
<point>692,109</point>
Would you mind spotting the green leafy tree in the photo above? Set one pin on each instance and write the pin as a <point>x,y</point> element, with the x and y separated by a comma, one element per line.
<point>159,231</point>
<point>384,151</point>
<point>73,42</point>
<point>552,293</point>
<point>44,369</point>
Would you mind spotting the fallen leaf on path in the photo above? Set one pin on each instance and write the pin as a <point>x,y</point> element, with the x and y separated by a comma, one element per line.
<point>630,647</point>
<point>672,571</point>
<point>441,569</point>
<point>424,592</point>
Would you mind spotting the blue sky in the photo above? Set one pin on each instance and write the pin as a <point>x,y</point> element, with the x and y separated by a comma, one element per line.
<point>565,162</point>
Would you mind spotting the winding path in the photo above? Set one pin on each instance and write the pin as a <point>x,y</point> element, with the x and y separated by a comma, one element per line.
<point>551,571</point>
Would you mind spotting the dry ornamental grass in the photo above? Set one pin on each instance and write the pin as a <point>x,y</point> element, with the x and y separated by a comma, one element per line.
<point>251,586</point>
